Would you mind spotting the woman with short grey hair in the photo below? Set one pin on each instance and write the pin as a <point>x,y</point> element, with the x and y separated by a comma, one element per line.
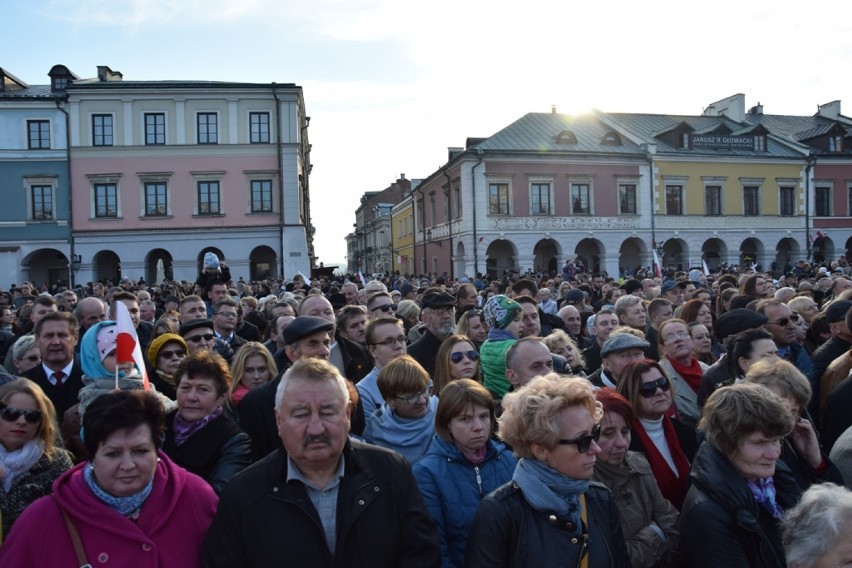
<point>818,531</point>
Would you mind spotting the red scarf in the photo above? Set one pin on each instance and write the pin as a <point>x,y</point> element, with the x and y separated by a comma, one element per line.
<point>690,373</point>
<point>673,487</point>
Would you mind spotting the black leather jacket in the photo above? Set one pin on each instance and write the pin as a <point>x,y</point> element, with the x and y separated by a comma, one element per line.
<point>507,531</point>
<point>722,524</point>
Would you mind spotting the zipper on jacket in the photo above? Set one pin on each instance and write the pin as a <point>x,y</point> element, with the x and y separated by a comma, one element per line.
<point>478,479</point>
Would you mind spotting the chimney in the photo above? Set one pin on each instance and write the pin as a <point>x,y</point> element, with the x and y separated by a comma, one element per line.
<point>106,74</point>
<point>552,109</point>
<point>757,109</point>
<point>830,110</point>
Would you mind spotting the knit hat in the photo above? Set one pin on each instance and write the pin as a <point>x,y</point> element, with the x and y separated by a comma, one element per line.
<point>500,311</point>
<point>211,260</point>
<point>91,346</point>
<point>159,342</point>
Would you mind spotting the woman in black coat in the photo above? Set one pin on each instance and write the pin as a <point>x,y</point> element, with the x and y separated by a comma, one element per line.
<point>740,489</point>
<point>550,514</point>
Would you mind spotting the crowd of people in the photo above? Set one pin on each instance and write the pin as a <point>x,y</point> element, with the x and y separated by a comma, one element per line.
<point>689,419</point>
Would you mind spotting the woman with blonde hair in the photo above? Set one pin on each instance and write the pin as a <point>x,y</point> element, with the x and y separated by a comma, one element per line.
<point>457,358</point>
<point>29,459</point>
<point>560,343</point>
<point>251,367</point>
<point>550,514</point>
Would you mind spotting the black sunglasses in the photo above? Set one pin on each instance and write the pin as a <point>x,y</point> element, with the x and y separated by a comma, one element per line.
<point>648,390</point>
<point>198,338</point>
<point>459,355</point>
<point>386,308</point>
<point>583,442</point>
<point>10,414</point>
<point>783,321</point>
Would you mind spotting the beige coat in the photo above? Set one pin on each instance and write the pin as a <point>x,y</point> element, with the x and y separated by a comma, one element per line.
<point>640,503</point>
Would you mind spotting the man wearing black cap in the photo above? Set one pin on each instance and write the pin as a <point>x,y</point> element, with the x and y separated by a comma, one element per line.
<point>440,322</point>
<point>618,351</point>
<point>351,359</point>
<point>673,291</point>
<point>840,340</point>
<point>304,337</point>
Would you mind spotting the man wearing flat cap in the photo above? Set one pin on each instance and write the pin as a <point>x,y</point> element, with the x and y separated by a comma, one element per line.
<point>840,340</point>
<point>305,337</point>
<point>618,350</point>
<point>439,318</point>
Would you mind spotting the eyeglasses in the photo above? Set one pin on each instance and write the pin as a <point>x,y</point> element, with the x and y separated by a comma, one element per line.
<point>457,357</point>
<point>391,340</point>
<point>198,338</point>
<point>414,397</point>
<point>228,315</point>
<point>784,321</point>
<point>648,390</point>
<point>385,308</point>
<point>672,336</point>
<point>172,353</point>
<point>583,443</point>
<point>10,414</point>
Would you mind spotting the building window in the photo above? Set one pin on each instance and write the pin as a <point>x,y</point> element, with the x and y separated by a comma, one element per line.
<point>38,134</point>
<point>498,199</point>
<point>259,127</point>
<point>102,130</point>
<point>458,200</point>
<point>261,196</point>
<point>627,199</point>
<point>683,141</point>
<point>540,199</point>
<point>713,200</point>
<point>674,200</point>
<point>106,200</point>
<point>581,199</point>
<point>760,143</point>
<point>822,201</point>
<point>42,202</point>
<point>787,200</point>
<point>835,144</point>
<point>155,128</point>
<point>208,198</point>
<point>208,128</point>
<point>156,203</point>
<point>751,204</point>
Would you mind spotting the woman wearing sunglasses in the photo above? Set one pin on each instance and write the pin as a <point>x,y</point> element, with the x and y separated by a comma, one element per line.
<point>164,356</point>
<point>29,458</point>
<point>457,358</point>
<point>648,521</point>
<point>667,444</point>
<point>550,514</point>
<point>740,489</point>
<point>405,422</point>
<point>463,464</point>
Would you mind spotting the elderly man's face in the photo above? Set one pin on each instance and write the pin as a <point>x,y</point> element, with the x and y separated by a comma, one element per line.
<point>313,422</point>
<point>531,360</point>
<point>572,319</point>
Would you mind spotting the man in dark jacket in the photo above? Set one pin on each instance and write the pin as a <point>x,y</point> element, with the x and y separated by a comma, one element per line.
<point>328,501</point>
<point>439,318</point>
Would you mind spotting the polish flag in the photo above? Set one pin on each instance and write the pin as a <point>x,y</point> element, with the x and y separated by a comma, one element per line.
<point>706,269</point>
<point>658,271</point>
<point>127,345</point>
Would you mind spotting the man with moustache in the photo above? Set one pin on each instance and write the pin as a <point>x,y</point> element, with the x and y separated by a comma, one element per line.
<point>339,502</point>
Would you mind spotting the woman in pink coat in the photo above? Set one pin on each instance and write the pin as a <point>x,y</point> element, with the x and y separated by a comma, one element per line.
<point>130,505</point>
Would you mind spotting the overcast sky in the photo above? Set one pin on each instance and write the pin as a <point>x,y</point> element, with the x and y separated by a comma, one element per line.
<point>389,85</point>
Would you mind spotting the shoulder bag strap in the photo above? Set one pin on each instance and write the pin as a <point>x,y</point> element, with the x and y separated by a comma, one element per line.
<point>75,538</point>
<point>584,521</point>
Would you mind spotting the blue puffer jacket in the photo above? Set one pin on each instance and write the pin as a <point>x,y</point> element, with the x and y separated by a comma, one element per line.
<point>453,487</point>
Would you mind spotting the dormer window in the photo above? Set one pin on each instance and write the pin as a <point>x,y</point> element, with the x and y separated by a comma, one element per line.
<point>835,144</point>
<point>59,84</point>
<point>566,137</point>
<point>760,143</point>
<point>611,139</point>
<point>683,141</point>
<point>60,78</point>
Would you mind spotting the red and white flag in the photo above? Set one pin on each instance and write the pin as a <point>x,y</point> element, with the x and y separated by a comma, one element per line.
<point>127,348</point>
<point>658,270</point>
<point>706,269</point>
